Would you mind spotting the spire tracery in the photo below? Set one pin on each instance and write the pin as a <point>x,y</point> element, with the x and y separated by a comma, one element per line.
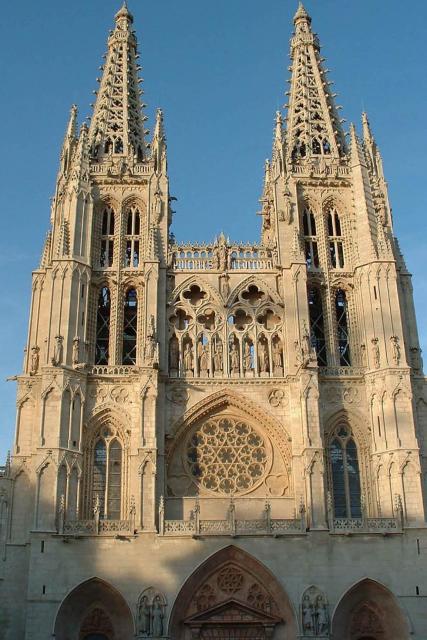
<point>117,126</point>
<point>313,125</point>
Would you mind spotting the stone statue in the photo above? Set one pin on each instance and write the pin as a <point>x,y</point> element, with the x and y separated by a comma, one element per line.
<point>174,353</point>
<point>375,353</point>
<point>307,615</point>
<point>188,358</point>
<point>204,359</point>
<point>76,350</point>
<point>277,355</point>
<point>57,353</point>
<point>234,358</point>
<point>217,357</point>
<point>157,618</point>
<point>321,616</point>
<point>247,357</point>
<point>396,350</point>
<point>144,615</point>
<point>263,357</point>
<point>35,360</point>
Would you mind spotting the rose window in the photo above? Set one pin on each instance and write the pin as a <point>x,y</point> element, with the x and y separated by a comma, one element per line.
<point>226,455</point>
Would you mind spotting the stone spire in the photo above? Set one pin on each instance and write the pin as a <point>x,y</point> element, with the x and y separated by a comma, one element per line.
<point>158,146</point>
<point>69,140</point>
<point>313,125</point>
<point>117,126</point>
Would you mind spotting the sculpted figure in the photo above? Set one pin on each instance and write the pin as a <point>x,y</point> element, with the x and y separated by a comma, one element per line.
<point>157,618</point>
<point>144,617</point>
<point>188,358</point>
<point>375,353</point>
<point>277,355</point>
<point>307,615</point>
<point>234,359</point>
<point>76,350</point>
<point>321,615</point>
<point>57,353</point>
<point>247,357</point>
<point>174,353</point>
<point>35,360</point>
<point>217,357</point>
<point>263,357</point>
<point>204,359</point>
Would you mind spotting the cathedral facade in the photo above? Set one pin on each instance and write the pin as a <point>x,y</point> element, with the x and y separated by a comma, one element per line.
<point>219,440</point>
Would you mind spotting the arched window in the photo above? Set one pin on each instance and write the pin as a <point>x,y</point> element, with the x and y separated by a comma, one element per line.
<point>107,478</point>
<point>107,238</point>
<point>103,327</point>
<point>133,224</point>
<point>309,228</point>
<point>317,329</point>
<point>336,250</point>
<point>341,310</point>
<point>130,327</point>
<point>345,474</point>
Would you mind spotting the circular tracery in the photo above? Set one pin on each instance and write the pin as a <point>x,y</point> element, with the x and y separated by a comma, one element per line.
<point>226,455</point>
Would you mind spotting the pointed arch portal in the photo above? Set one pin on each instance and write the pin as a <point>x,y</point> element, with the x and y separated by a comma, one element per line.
<point>232,595</point>
<point>94,610</point>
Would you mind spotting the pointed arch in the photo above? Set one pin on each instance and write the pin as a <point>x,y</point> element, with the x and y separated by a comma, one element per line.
<point>202,283</point>
<point>388,621</point>
<point>254,587</point>
<point>253,280</point>
<point>88,596</point>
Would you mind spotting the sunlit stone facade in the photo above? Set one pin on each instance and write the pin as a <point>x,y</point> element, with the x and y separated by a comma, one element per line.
<point>218,440</point>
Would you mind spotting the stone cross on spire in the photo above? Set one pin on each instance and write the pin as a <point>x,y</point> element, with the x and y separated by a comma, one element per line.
<point>313,125</point>
<point>117,127</point>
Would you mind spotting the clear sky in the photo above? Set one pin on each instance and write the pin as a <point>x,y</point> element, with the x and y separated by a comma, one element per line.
<point>218,69</point>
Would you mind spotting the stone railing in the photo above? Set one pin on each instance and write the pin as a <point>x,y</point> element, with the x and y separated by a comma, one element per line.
<point>338,372</point>
<point>231,526</point>
<point>222,257</point>
<point>97,527</point>
<point>113,370</point>
<point>366,525</point>
<point>318,171</point>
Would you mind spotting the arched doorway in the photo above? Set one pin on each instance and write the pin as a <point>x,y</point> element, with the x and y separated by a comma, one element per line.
<point>94,610</point>
<point>369,611</point>
<point>232,596</point>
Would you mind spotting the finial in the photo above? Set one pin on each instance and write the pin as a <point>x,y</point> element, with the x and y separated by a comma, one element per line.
<point>301,13</point>
<point>124,13</point>
<point>367,134</point>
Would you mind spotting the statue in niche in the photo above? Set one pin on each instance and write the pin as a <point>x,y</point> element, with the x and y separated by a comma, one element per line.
<point>57,352</point>
<point>287,213</point>
<point>76,350</point>
<point>35,360</point>
<point>247,357</point>
<point>234,358</point>
<point>217,357</point>
<point>375,353</point>
<point>144,617</point>
<point>151,344</point>
<point>263,357</point>
<point>321,616</point>
<point>277,355</point>
<point>188,358</point>
<point>396,350</point>
<point>220,254</point>
<point>307,615</point>
<point>314,613</point>
<point>157,618</point>
<point>174,353</point>
<point>204,359</point>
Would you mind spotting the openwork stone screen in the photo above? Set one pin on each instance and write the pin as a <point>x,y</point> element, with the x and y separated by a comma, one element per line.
<point>227,456</point>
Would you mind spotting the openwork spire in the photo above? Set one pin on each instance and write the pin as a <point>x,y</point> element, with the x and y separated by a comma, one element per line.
<point>313,125</point>
<point>117,127</point>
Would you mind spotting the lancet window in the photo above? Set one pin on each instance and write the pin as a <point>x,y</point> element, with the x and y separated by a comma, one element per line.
<point>310,237</point>
<point>317,327</point>
<point>336,251</point>
<point>132,239</point>
<point>345,474</point>
<point>107,478</point>
<point>107,238</point>
<point>103,327</point>
<point>130,327</point>
<point>341,311</point>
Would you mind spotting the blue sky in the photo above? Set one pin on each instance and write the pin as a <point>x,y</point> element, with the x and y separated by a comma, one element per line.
<point>218,69</point>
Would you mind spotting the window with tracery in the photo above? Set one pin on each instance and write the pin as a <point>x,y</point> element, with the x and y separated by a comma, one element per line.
<point>107,478</point>
<point>103,326</point>
<point>310,239</point>
<point>341,311</point>
<point>226,455</point>
<point>345,474</point>
<point>317,328</point>
<point>107,238</point>
<point>130,327</point>
<point>132,239</point>
<point>336,251</point>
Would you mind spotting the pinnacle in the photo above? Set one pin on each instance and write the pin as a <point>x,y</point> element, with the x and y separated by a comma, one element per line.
<point>124,13</point>
<point>301,13</point>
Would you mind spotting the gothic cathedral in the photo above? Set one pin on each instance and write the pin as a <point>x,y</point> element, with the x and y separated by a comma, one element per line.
<point>219,440</point>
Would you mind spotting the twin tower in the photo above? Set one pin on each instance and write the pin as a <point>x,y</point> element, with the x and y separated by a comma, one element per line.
<point>177,395</point>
